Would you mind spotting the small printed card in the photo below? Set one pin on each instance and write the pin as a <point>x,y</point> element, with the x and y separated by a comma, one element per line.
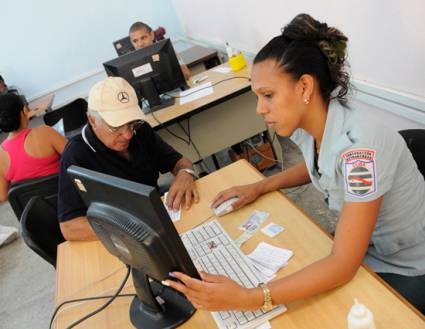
<point>251,225</point>
<point>254,221</point>
<point>272,230</point>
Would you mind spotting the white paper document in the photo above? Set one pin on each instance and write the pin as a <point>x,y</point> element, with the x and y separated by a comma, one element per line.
<point>269,259</point>
<point>222,69</point>
<point>174,215</point>
<point>195,93</point>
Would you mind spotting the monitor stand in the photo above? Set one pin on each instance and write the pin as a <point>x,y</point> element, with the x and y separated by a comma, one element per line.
<point>148,312</point>
<point>165,101</point>
<point>156,102</point>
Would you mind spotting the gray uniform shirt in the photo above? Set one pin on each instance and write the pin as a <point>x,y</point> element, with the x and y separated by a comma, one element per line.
<point>360,161</point>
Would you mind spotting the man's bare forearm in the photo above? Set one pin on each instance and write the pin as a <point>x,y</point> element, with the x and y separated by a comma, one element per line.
<point>77,229</point>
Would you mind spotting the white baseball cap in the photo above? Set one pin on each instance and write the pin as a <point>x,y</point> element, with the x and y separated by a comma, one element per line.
<point>116,101</point>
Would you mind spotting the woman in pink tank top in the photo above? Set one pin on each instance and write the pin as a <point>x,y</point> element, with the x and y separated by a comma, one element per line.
<point>26,153</point>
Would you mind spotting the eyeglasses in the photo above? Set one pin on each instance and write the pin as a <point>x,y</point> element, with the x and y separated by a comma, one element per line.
<point>132,126</point>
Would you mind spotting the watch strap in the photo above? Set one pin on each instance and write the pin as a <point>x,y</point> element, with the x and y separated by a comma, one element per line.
<point>268,303</point>
<point>190,171</point>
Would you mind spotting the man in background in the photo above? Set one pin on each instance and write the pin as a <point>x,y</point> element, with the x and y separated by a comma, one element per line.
<point>141,36</point>
<point>3,86</point>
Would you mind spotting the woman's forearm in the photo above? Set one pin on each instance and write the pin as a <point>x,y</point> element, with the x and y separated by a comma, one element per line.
<point>294,176</point>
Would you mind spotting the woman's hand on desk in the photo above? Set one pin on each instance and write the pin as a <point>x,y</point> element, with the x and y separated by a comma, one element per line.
<point>246,194</point>
<point>215,292</point>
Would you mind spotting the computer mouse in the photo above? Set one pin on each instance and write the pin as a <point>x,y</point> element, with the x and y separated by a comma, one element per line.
<point>225,207</point>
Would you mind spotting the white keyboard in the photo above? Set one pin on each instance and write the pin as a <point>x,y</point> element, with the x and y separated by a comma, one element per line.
<point>212,250</point>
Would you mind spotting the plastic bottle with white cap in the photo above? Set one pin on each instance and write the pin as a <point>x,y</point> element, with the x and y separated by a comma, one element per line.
<point>229,50</point>
<point>360,317</point>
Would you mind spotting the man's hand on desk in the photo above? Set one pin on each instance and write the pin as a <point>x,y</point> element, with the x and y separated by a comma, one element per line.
<point>246,194</point>
<point>182,191</point>
<point>216,292</point>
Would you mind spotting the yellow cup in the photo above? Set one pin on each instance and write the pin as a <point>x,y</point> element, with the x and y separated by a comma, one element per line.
<point>237,62</point>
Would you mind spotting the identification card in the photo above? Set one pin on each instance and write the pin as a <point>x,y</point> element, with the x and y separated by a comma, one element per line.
<point>272,230</point>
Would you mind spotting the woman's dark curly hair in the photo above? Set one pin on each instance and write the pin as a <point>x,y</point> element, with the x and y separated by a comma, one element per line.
<point>11,106</point>
<point>307,46</point>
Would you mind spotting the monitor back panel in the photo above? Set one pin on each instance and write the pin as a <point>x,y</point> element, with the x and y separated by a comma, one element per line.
<point>123,46</point>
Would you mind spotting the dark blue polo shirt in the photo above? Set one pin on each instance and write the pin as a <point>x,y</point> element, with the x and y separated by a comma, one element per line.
<point>149,155</point>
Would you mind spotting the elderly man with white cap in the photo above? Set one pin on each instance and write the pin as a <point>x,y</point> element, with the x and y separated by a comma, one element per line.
<point>116,141</point>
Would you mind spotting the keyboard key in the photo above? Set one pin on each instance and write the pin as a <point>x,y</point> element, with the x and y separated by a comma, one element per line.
<point>224,315</point>
<point>199,251</point>
<point>204,234</point>
<point>258,313</point>
<point>232,325</point>
<point>210,231</point>
<point>250,316</point>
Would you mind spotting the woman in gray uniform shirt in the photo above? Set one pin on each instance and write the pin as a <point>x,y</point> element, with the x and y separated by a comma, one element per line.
<point>365,171</point>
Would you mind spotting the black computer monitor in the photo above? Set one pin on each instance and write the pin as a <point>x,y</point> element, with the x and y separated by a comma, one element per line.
<point>151,71</point>
<point>130,220</point>
<point>123,46</point>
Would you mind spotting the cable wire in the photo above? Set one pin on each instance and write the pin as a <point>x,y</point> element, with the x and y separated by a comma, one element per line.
<point>169,131</point>
<point>188,134</point>
<point>92,284</point>
<point>162,125</point>
<point>72,325</point>
<point>261,154</point>
<point>57,309</point>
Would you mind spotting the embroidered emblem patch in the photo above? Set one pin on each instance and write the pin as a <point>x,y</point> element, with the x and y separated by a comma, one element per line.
<point>360,172</point>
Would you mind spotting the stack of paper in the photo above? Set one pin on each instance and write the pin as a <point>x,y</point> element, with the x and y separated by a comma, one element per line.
<point>268,259</point>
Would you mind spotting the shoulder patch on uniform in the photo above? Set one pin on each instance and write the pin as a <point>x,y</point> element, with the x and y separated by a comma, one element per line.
<point>360,172</point>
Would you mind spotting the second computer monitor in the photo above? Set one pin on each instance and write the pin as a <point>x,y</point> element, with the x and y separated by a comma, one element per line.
<point>123,46</point>
<point>151,71</point>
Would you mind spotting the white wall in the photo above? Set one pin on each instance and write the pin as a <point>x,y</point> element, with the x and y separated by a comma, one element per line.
<point>48,45</point>
<point>386,39</point>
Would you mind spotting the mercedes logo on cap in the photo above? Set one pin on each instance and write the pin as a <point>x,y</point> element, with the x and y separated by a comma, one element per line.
<point>123,97</point>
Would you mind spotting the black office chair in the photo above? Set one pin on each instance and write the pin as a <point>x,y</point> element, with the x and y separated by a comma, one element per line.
<point>40,228</point>
<point>73,115</point>
<point>415,140</point>
<point>159,33</point>
<point>21,192</point>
